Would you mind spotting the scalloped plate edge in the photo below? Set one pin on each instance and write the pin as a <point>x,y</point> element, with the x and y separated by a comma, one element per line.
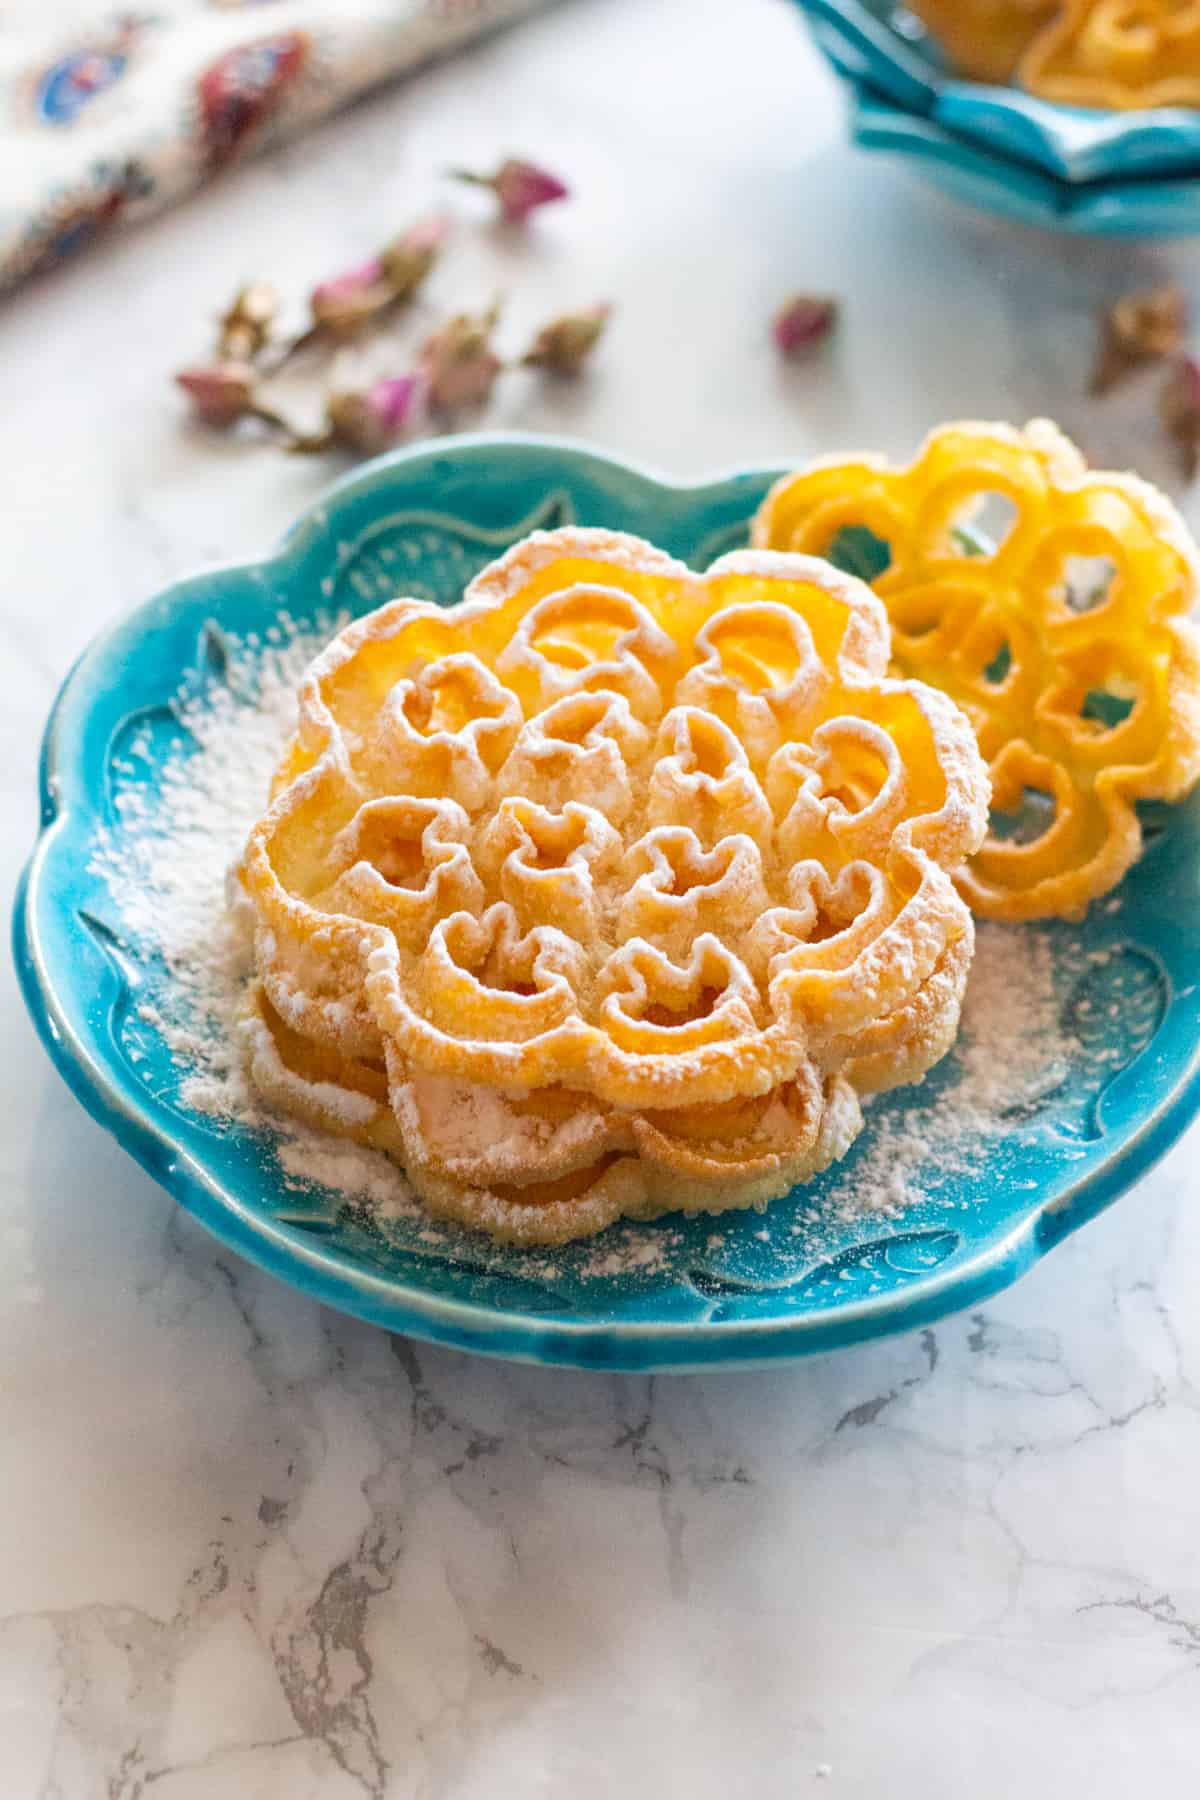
<point>1135,208</point>
<point>398,1306</point>
<point>1074,144</point>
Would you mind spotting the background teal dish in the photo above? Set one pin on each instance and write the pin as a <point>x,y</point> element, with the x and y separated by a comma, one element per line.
<point>1134,209</point>
<point>733,1296</point>
<point>880,42</point>
<point>1066,167</point>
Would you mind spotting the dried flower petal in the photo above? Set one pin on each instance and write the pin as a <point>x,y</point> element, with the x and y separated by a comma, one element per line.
<point>804,321</point>
<point>1139,328</point>
<point>345,303</point>
<point>1179,405</point>
<point>566,342</point>
<point>371,419</point>
<point>459,362</point>
<point>409,258</point>
<point>220,393</point>
<point>246,326</point>
<point>520,187</point>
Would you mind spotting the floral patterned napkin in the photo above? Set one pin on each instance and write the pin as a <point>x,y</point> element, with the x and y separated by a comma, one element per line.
<point>104,120</point>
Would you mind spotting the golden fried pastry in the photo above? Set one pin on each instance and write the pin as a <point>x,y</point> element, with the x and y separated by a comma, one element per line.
<point>608,890</point>
<point>1067,644</point>
<point>984,38</point>
<point>554,1164</point>
<point>1118,54</point>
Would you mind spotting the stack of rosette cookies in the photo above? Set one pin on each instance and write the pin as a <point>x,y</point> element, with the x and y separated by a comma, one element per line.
<point>612,889</point>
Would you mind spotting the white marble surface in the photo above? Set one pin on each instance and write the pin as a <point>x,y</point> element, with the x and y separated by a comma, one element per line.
<point>255,1550</point>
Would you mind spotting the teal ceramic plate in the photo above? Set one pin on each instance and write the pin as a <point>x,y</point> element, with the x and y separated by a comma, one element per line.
<point>880,42</point>
<point>741,1289</point>
<point>1149,207</point>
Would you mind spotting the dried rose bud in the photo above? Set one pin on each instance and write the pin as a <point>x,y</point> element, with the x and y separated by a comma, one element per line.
<point>803,322</point>
<point>371,419</point>
<point>1179,405</point>
<point>220,393</point>
<point>409,258</point>
<point>342,305</point>
<point>459,362</point>
<point>566,342</point>
<point>246,327</point>
<point>520,187</point>
<point>1139,328</point>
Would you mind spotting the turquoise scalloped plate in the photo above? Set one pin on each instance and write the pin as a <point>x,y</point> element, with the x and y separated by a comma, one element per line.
<point>742,1289</point>
<point>881,43</point>
<point>1147,208</point>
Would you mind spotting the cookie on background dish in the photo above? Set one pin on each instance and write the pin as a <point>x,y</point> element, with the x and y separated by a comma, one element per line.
<point>1107,53</point>
<point>984,39</point>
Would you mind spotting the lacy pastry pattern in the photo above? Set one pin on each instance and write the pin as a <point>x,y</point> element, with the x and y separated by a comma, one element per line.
<point>611,888</point>
<point>1065,639</point>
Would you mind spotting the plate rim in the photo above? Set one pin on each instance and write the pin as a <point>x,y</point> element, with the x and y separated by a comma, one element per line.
<point>397,1303</point>
<point>1137,206</point>
<point>1074,145</point>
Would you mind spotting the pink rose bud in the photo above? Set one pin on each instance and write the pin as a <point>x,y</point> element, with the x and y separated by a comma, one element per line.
<point>520,187</point>
<point>409,258</point>
<point>803,322</point>
<point>459,362</point>
<point>566,342</point>
<point>343,304</point>
<point>374,418</point>
<point>220,393</point>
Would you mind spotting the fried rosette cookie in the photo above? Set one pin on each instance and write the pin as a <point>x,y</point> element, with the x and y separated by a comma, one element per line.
<point>1117,55</point>
<point>984,38</point>
<point>1051,604</point>
<point>608,890</point>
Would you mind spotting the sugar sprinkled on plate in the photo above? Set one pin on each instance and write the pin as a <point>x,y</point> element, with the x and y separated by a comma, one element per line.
<point>1012,1052</point>
<point>183,818</point>
<point>181,822</point>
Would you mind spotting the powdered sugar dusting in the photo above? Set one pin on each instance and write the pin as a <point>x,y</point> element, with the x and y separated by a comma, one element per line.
<point>182,820</point>
<point>1012,1051</point>
<point>183,813</point>
<point>635,1255</point>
